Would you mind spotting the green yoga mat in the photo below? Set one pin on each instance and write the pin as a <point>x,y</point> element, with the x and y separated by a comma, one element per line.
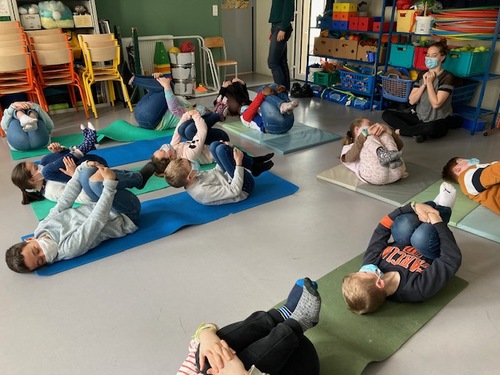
<point>347,342</point>
<point>119,130</point>
<point>299,137</point>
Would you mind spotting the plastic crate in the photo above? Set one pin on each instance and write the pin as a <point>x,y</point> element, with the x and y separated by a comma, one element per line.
<point>419,59</point>
<point>402,55</point>
<point>463,94</point>
<point>395,88</point>
<point>356,82</point>
<point>466,64</point>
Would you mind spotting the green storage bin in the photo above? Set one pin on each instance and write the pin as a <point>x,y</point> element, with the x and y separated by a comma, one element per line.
<point>466,64</point>
<point>402,55</point>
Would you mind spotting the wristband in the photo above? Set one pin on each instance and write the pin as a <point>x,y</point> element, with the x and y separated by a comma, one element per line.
<point>202,327</point>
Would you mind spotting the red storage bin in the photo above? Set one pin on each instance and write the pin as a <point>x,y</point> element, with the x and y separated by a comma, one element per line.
<point>365,23</point>
<point>353,23</point>
<point>419,58</point>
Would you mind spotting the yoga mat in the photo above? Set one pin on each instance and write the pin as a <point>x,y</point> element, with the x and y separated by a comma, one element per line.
<point>164,216</point>
<point>299,137</point>
<point>482,222</point>
<point>347,342</point>
<point>119,130</point>
<point>397,193</point>
<point>463,205</point>
<point>42,208</point>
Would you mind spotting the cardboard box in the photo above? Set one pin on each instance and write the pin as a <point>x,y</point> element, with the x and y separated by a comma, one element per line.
<point>346,49</point>
<point>363,53</point>
<point>406,21</point>
<point>30,21</point>
<point>324,46</point>
<point>84,20</point>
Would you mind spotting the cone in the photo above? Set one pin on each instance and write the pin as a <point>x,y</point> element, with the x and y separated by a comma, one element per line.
<point>161,62</point>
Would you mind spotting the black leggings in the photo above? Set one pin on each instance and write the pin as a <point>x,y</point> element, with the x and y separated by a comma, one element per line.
<point>410,125</point>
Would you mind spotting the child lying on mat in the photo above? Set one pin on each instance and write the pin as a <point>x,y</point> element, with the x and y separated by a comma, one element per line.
<point>228,182</point>
<point>271,342</point>
<point>480,182</point>
<point>423,257</point>
<point>70,232</point>
<point>372,151</point>
<point>196,130</point>
<point>27,126</point>
<point>47,179</point>
<point>160,108</point>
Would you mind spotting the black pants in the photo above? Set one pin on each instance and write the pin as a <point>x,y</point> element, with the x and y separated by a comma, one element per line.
<point>273,346</point>
<point>410,125</point>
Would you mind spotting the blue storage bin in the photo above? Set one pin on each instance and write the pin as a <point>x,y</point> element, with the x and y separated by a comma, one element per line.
<point>356,82</point>
<point>402,55</point>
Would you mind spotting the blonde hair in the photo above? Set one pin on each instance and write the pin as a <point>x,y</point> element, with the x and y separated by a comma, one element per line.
<point>361,295</point>
<point>351,135</point>
<point>176,174</point>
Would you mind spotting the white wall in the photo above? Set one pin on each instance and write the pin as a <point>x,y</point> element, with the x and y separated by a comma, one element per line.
<point>263,27</point>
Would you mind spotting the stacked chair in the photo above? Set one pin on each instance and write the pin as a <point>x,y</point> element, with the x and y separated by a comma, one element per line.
<point>16,71</point>
<point>101,54</point>
<point>54,64</point>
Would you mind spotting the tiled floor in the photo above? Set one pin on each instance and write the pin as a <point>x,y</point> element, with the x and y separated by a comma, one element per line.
<point>134,313</point>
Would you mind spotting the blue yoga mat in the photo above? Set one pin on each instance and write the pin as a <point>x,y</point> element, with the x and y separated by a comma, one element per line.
<point>131,152</point>
<point>164,216</point>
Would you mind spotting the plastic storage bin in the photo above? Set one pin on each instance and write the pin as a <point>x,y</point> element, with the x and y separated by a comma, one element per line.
<point>395,88</point>
<point>356,82</point>
<point>419,58</point>
<point>463,94</point>
<point>466,64</point>
<point>402,55</point>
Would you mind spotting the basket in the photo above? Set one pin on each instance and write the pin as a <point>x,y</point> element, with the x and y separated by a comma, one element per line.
<point>356,82</point>
<point>463,94</point>
<point>396,89</point>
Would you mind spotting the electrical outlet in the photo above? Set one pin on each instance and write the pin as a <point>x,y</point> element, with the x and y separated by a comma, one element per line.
<point>215,10</point>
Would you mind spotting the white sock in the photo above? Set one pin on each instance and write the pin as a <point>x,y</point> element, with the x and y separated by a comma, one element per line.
<point>447,195</point>
<point>27,120</point>
<point>90,126</point>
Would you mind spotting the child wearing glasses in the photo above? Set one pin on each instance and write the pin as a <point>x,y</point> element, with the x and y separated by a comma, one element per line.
<point>431,94</point>
<point>230,181</point>
<point>423,257</point>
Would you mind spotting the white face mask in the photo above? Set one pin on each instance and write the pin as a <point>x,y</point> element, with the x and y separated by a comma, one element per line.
<point>49,248</point>
<point>166,147</point>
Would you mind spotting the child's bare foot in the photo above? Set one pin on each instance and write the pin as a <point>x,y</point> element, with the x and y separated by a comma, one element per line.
<point>236,79</point>
<point>280,89</point>
<point>288,107</point>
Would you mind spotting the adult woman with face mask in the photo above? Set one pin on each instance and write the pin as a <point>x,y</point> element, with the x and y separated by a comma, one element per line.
<point>431,94</point>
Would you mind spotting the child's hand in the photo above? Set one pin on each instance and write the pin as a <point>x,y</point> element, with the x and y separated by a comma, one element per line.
<point>210,349</point>
<point>156,75</point>
<point>21,105</point>
<point>55,147</point>
<point>165,82</point>
<point>434,217</point>
<point>95,164</point>
<point>423,210</point>
<point>107,173</point>
<point>69,166</point>
<point>232,365</point>
<point>226,83</point>
<point>238,156</point>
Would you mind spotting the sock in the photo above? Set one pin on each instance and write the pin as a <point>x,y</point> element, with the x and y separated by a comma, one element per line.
<point>89,139</point>
<point>288,107</point>
<point>221,110</point>
<point>293,299</point>
<point>306,312</point>
<point>146,172</point>
<point>395,164</point>
<point>258,168</point>
<point>447,195</point>
<point>262,159</point>
<point>385,156</point>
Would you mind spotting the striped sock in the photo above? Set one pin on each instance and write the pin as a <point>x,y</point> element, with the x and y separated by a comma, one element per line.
<point>307,310</point>
<point>293,299</point>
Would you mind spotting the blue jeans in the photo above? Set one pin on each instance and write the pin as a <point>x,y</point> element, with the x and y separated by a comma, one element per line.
<point>273,120</point>
<point>223,155</point>
<point>277,59</point>
<point>188,129</point>
<point>124,202</point>
<point>53,161</point>
<point>150,109</point>
<point>25,141</point>
<point>407,230</point>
